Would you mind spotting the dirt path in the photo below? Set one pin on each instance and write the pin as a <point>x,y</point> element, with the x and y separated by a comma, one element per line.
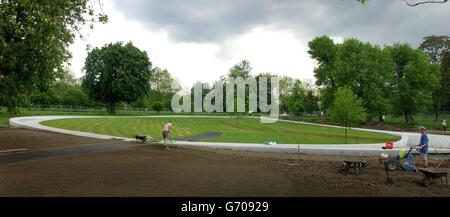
<point>151,171</point>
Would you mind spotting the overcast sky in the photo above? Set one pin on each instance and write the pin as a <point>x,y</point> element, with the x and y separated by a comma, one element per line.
<point>199,40</point>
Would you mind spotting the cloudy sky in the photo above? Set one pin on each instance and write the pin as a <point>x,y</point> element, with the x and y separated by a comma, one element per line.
<point>199,40</point>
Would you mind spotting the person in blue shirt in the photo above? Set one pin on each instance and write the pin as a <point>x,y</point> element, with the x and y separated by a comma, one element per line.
<point>423,146</point>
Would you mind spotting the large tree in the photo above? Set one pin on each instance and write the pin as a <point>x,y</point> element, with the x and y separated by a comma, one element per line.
<point>117,72</point>
<point>34,37</point>
<point>364,68</point>
<point>438,49</point>
<point>324,51</point>
<point>415,78</point>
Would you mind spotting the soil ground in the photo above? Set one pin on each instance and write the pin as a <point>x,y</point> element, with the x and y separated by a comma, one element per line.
<point>18,138</point>
<point>152,171</point>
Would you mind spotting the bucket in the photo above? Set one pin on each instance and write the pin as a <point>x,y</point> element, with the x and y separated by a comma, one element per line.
<point>389,145</point>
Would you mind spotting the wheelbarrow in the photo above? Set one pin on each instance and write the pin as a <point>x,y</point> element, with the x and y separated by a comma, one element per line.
<point>145,139</point>
<point>433,173</point>
<point>356,166</point>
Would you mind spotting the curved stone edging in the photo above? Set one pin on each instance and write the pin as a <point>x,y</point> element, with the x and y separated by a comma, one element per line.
<point>323,149</point>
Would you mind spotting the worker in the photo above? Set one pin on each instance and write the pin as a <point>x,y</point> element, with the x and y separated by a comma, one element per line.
<point>166,134</point>
<point>423,146</point>
<point>444,125</point>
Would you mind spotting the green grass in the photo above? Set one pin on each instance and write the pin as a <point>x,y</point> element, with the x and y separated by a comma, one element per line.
<point>419,120</point>
<point>4,117</point>
<point>250,130</point>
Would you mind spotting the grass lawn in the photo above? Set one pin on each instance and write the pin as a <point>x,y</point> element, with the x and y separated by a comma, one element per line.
<point>4,117</point>
<point>250,130</point>
<point>419,120</point>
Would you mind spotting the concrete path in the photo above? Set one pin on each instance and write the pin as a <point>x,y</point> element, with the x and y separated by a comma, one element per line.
<point>440,144</point>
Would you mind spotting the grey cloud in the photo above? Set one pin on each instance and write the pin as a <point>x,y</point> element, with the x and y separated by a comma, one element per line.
<point>381,21</point>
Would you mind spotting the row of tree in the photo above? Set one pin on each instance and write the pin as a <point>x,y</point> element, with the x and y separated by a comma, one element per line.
<point>296,97</point>
<point>393,79</point>
<point>110,82</point>
<point>34,40</point>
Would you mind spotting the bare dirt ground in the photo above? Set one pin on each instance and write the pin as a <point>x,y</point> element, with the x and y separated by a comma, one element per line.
<point>17,138</point>
<point>151,171</point>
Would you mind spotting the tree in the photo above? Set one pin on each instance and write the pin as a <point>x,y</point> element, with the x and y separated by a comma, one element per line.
<point>75,97</point>
<point>347,109</point>
<point>437,48</point>
<point>259,81</point>
<point>34,37</point>
<point>242,69</point>
<point>157,106</point>
<point>364,68</point>
<point>311,101</point>
<point>161,81</point>
<point>286,85</point>
<point>324,51</point>
<point>296,99</point>
<point>367,70</point>
<point>445,76</point>
<point>44,98</point>
<point>160,88</point>
<point>415,78</point>
<point>116,72</point>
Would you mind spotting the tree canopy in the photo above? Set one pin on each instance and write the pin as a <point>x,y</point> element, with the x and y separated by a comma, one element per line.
<point>395,78</point>
<point>34,37</point>
<point>242,69</point>
<point>296,99</point>
<point>438,49</point>
<point>347,109</point>
<point>364,68</point>
<point>117,72</point>
<point>415,78</point>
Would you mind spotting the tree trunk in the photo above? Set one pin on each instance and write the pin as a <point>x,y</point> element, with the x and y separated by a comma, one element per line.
<point>436,105</point>
<point>408,117</point>
<point>112,108</point>
<point>436,114</point>
<point>381,119</point>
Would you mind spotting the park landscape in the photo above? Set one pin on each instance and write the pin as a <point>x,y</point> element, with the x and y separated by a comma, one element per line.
<point>67,135</point>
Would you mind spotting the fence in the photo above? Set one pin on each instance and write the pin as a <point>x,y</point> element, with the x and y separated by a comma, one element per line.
<point>72,108</point>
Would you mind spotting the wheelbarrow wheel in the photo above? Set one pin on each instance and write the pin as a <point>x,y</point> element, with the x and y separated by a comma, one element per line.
<point>392,165</point>
<point>425,182</point>
<point>344,168</point>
